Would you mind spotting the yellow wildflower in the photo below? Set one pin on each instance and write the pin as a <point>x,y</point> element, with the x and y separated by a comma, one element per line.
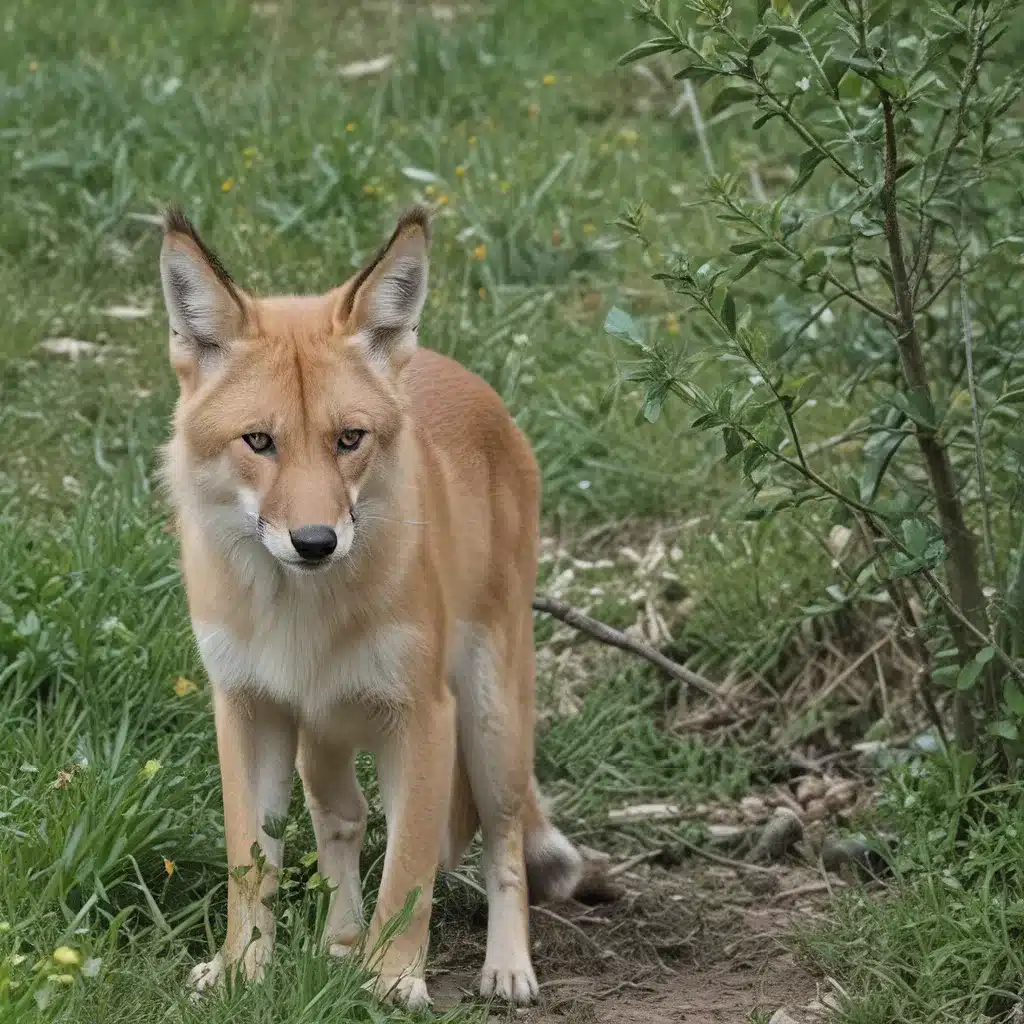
<point>549,79</point>
<point>480,252</point>
<point>183,687</point>
<point>442,200</point>
<point>472,140</point>
<point>168,866</point>
<point>66,956</point>
<point>482,292</point>
<point>150,768</point>
<point>351,126</point>
<point>672,323</point>
<point>629,136</point>
<point>460,171</point>
<point>227,184</point>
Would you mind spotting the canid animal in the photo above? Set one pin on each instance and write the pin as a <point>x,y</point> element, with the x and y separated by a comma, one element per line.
<point>358,520</point>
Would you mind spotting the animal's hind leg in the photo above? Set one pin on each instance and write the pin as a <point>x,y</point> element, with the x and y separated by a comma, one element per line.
<point>463,819</point>
<point>494,683</point>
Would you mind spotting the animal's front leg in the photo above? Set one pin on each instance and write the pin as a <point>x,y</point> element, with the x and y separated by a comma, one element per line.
<point>256,743</point>
<point>338,809</point>
<point>415,771</point>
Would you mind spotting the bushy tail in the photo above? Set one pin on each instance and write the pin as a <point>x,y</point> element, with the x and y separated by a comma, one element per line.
<point>554,867</point>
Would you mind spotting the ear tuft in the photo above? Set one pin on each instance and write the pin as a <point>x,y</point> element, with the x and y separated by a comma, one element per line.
<point>176,222</point>
<point>203,302</point>
<point>415,217</point>
<point>382,306</point>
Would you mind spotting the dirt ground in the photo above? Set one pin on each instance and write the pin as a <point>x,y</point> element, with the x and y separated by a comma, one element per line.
<point>690,943</point>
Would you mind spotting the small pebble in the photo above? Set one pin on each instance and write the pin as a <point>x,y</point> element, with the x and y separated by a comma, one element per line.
<point>780,834</point>
<point>816,810</point>
<point>841,794</point>
<point>810,788</point>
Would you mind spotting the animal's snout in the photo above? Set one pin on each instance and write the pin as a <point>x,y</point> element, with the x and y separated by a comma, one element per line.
<point>314,543</point>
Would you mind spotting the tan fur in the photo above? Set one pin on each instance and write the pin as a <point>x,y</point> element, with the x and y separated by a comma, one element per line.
<point>413,639</point>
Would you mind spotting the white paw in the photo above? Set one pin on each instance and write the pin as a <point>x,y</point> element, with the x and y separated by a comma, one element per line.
<point>205,976</point>
<point>407,990</point>
<point>514,985</point>
<point>339,949</point>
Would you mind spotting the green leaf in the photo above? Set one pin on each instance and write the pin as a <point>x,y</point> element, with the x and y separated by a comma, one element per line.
<point>740,248</point>
<point>730,96</point>
<point>751,458</point>
<point>698,73</point>
<point>1009,397</point>
<point>653,401</point>
<point>1005,730</point>
<point>968,675</point>
<point>808,161</point>
<point>754,414</point>
<point>733,442</point>
<point>892,84</point>
<point>810,10</point>
<point>621,325</point>
<point>862,67</point>
<point>905,167</point>
<point>660,44</point>
<point>915,404</point>
<point>878,452</point>
<point>764,119</point>
<point>815,262</point>
<point>729,313</point>
<point>747,267</point>
<point>915,536</point>
<point>758,46</point>
<point>1013,697</point>
<point>834,71</point>
<point>785,36</point>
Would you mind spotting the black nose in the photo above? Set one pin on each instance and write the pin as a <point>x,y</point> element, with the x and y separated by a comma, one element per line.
<point>314,542</point>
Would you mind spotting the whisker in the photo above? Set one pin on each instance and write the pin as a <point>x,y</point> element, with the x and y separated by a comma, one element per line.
<point>363,516</point>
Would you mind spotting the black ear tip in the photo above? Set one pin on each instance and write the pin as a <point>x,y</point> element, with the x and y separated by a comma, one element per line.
<point>175,220</point>
<point>415,217</point>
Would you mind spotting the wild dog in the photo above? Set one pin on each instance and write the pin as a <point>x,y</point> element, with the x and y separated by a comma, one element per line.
<point>358,520</point>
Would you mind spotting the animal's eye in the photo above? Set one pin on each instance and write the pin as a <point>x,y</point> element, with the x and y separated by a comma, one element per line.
<point>259,442</point>
<point>350,439</point>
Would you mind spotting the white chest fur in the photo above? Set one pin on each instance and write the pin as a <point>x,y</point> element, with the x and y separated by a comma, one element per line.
<point>292,661</point>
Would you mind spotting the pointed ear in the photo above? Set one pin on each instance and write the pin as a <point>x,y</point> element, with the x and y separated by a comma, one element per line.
<point>205,308</point>
<point>381,308</point>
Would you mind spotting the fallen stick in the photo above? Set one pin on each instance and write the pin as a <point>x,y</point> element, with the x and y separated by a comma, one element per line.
<point>807,890</point>
<point>616,638</point>
<point>634,861</point>
<point>545,912</point>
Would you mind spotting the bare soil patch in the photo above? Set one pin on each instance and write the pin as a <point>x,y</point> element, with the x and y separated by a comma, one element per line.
<point>688,943</point>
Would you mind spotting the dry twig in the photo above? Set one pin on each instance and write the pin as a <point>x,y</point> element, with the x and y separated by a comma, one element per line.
<point>616,638</point>
<point>544,911</point>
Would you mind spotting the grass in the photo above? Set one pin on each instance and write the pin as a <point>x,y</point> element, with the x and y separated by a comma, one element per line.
<point>512,123</point>
<point>944,943</point>
<point>513,127</point>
